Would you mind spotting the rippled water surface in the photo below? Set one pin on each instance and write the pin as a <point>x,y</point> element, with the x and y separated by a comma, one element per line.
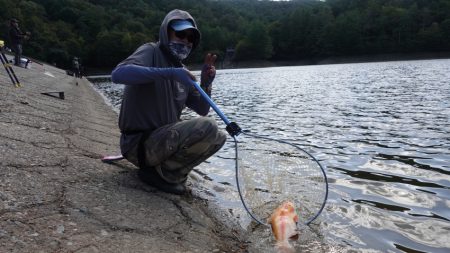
<point>382,130</point>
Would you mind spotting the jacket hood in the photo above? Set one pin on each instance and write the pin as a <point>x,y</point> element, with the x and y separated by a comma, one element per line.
<point>173,15</point>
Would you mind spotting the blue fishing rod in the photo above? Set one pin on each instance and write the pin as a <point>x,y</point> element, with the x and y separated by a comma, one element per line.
<point>232,128</point>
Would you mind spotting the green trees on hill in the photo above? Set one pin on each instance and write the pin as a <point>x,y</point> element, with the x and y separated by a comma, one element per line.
<point>103,32</point>
<point>255,43</point>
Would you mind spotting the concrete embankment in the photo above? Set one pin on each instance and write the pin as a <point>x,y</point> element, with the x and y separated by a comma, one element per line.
<point>57,196</point>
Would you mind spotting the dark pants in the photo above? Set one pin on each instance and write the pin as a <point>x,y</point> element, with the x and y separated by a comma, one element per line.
<point>174,150</point>
<point>76,72</point>
<point>17,49</point>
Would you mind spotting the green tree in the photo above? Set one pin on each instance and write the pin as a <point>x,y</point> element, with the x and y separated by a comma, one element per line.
<point>445,28</point>
<point>112,47</point>
<point>430,38</point>
<point>256,45</point>
<point>347,34</point>
<point>104,32</point>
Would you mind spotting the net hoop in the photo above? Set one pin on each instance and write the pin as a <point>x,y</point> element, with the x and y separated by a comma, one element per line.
<point>244,203</point>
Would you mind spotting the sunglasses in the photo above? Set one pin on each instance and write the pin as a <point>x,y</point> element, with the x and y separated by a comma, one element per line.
<point>184,34</point>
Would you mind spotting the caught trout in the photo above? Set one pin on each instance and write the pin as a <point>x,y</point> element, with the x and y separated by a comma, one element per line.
<point>284,226</point>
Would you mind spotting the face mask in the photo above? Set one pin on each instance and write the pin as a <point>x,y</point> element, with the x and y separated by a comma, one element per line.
<point>179,50</point>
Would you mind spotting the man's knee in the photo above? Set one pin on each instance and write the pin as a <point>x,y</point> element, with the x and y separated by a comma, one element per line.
<point>207,125</point>
<point>214,132</point>
<point>201,135</point>
<point>212,137</point>
<point>206,121</point>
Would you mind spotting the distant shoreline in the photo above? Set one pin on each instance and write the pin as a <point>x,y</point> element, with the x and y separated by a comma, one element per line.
<point>340,60</point>
<point>311,61</point>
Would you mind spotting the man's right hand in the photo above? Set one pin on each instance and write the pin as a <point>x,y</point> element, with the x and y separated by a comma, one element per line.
<point>183,76</point>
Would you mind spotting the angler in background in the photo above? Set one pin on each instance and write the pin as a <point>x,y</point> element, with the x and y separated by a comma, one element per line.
<point>76,67</point>
<point>16,39</point>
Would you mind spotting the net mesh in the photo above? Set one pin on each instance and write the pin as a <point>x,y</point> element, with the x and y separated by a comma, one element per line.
<point>271,172</point>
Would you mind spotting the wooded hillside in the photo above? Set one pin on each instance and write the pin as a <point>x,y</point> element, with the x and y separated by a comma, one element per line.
<point>103,32</point>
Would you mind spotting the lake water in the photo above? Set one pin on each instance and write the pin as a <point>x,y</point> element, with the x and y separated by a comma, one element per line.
<point>382,130</point>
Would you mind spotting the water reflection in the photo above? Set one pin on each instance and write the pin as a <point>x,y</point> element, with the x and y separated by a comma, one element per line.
<point>381,129</point>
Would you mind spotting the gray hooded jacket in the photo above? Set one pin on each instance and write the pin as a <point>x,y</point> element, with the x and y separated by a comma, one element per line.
<point>146,107</point>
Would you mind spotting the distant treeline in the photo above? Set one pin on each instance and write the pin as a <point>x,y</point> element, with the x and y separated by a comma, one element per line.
<point>103,32</point>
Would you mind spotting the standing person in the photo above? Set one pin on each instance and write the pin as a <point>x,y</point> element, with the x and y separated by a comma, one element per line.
<point>157,89</point>
<point>16,38</point>
<point>76,66</point>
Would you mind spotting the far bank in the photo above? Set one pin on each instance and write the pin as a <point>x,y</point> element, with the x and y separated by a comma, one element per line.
<point>90,71</point>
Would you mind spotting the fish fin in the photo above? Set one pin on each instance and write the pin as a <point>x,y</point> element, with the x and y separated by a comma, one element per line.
<point>294,236</point>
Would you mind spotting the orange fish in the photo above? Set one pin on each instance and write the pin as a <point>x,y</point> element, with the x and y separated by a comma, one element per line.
<point>284,226</point>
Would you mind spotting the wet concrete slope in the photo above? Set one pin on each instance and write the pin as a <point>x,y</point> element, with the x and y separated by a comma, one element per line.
<point>57,196</point>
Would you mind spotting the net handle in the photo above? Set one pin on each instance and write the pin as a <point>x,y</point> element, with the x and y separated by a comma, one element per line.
<point>232,128</point>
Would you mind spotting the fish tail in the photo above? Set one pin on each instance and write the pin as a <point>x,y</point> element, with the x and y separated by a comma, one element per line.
<point>284,247</point>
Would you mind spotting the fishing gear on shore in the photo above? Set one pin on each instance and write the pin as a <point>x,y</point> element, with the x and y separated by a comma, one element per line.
<point>9,69</point>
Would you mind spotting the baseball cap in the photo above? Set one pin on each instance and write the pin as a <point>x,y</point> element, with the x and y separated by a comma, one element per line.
<point>180,25</point>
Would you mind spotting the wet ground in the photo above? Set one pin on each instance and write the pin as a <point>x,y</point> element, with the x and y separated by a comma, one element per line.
<point>57,196</point>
